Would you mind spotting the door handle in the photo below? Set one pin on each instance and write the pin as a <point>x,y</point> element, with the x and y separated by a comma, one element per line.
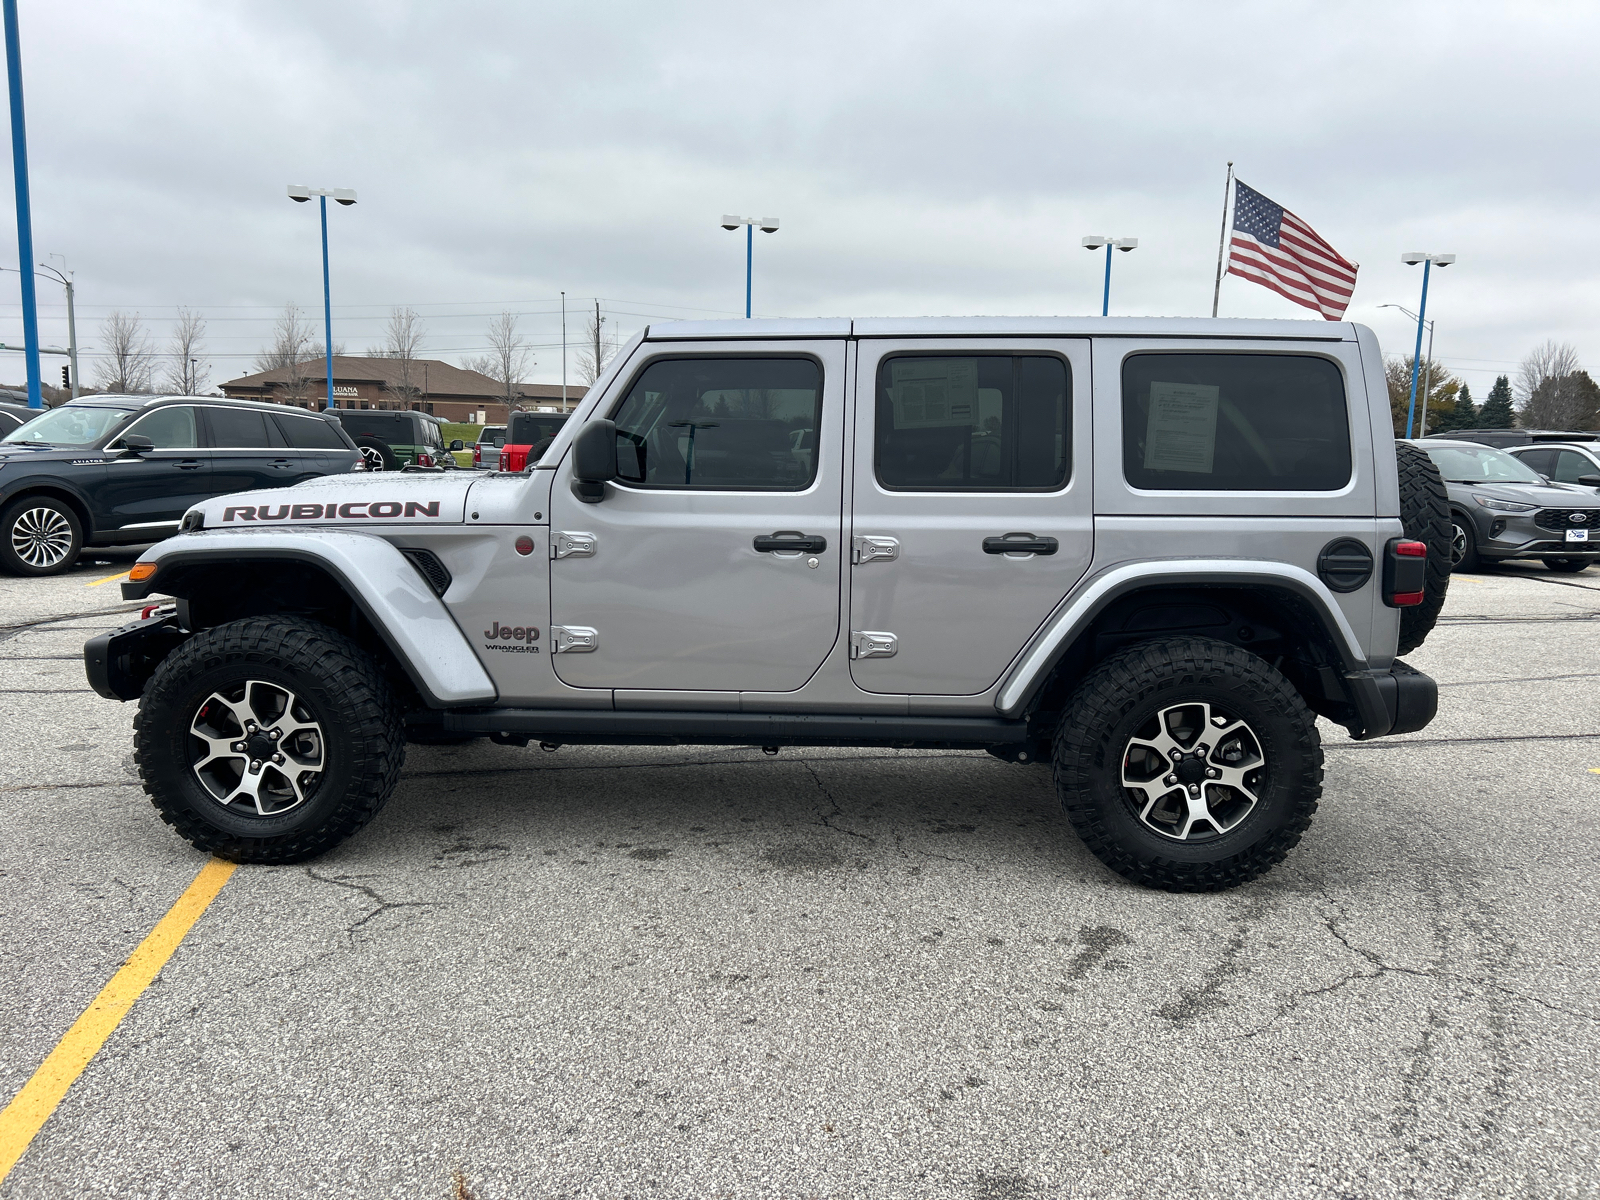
<point>189,464</point>
<point>1020,543</point>
<point>791,540</point>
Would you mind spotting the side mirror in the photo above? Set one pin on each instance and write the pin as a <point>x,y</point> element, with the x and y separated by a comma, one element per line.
<point>594,461</point>
<point>137,443</point>
<point>1589,480</point>
<point>458,444</point>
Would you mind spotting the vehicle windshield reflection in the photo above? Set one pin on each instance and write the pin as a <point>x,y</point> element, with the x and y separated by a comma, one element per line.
<point>71,425</point>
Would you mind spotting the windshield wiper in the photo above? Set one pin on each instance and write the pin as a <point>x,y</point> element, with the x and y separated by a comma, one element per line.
<point>29,443</point>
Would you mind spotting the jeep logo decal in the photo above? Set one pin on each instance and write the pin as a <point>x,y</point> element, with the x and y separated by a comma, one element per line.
<point>519,633</point>
<point>329,512</point>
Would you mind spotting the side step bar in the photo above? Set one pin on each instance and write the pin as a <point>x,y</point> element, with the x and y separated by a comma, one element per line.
<point>601,726</point>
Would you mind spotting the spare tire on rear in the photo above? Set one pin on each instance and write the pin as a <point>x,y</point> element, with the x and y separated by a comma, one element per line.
<point>1425,517</point>
<point>376,452</point>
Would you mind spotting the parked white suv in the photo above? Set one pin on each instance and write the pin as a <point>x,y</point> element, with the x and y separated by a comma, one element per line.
<point>1148,552</point>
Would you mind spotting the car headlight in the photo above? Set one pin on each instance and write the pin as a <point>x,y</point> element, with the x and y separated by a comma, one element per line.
<point>1503,505</point>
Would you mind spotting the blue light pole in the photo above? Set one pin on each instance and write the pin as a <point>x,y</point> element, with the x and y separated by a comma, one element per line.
<point>1094,242</point>
<point>19,162</point>
<point>768,225</point>
<point>299,193</point>
<point>1428,260</point>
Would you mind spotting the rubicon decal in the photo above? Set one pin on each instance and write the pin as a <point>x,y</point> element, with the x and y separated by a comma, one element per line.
<point>355,511</point>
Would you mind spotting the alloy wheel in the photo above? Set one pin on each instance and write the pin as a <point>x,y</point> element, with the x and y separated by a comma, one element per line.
<point>1458,544</point>
<point>258,751</point>
<point>41,537</point>
<point>374,457</point>
<point>1193,772</point>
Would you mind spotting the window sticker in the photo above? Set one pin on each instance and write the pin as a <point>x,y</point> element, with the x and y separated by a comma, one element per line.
<point>933,392</point>
<point>1182,431</point>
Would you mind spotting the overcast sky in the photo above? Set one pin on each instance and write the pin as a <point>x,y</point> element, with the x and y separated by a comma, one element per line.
<point>926,158</point>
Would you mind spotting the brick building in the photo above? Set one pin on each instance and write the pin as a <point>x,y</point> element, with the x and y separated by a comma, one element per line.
<point>425,384</point>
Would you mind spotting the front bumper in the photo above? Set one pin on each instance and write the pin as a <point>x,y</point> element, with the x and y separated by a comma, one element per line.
<point>121,662</point>
<point>1519,535</point>
<point>1399,700</point>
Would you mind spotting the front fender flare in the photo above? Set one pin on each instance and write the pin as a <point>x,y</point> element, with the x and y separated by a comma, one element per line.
<point>1032,668</point>
<point>399,604</point>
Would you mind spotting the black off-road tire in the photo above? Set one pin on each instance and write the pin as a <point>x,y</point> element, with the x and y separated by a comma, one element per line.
<point>338,682</point>
<point>1425,516</point>
<point>1567,566</point>
<point>1126,691</point>
<point>33,517</point>
<point>377,454</point>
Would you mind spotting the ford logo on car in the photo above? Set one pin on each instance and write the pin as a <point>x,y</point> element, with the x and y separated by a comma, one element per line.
<point>1578,518</point>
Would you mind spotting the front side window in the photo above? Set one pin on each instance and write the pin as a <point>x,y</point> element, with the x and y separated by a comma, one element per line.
<point>975,423</point>
<point>169,428</point>
<point>70,425</point>
<point>1572,466</point>
<point>739,423</point>
<point>1234,423</point>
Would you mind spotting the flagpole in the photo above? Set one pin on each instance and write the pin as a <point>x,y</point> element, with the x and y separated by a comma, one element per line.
<point>1222,239</point>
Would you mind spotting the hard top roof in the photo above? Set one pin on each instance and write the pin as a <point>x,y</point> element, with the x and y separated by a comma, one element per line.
<point>911,327</point>
<point>133,402</point>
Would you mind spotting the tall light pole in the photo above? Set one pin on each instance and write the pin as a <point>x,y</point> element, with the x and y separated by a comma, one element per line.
<point>1094,242</point>
<point>768,225</point>
<point>72,324</point>
<point>1428,260</point>
<point>19,163</point>
<point>1427,371</point>
<point>299,193</point>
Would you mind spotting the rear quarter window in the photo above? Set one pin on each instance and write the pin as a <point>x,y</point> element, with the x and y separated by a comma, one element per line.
<point>1234,423</point>
<point>309,433</point>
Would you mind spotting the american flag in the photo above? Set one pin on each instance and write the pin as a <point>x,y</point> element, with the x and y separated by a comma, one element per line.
<point>1273,247</point>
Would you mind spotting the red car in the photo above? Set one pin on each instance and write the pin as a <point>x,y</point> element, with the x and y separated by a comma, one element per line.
<point>527,437</point>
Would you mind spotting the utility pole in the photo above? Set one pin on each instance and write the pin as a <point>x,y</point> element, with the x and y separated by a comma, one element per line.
<point>597,339</point>
<point>563,352</point>
<point>72,321</point>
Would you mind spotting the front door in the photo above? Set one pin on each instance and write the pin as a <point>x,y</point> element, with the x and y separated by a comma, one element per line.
<point>156,487</point>
<point>972,515</point>
<point>713,562</point>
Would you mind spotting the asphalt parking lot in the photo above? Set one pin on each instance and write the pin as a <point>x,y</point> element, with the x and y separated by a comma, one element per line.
<point>709,973</point>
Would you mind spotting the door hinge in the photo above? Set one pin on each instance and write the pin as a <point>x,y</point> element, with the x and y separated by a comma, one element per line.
<point>572,639</point>
<point>573,545</point>
<point>865,643</point>
<point>866,549</point>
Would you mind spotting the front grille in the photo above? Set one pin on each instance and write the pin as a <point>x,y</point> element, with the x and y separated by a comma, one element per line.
<point>430,568</point>
<point>1561,519</point>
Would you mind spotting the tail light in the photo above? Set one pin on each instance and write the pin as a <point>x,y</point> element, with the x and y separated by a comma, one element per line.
<point>477,455</point>
<point>424,459</point>
<point>1405,566</point>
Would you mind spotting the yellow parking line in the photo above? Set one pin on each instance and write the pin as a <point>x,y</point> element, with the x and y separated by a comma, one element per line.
<point>32,1106</point>
<point>107,579</point>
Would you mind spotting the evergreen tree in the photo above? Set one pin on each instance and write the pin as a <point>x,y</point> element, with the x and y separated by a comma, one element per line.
<point>1497,412</point>
<point>1463,414</point>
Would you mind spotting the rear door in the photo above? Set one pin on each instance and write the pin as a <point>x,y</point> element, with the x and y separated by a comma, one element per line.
<point>971,517</point>
<point>313,446</point>
<point>247,452</point>
<point>713,563</point>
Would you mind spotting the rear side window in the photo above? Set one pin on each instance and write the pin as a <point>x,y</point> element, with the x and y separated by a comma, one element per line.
<point>309,433</point>
<point>386,427</point>
<point>741,423</point>
<point>985,423</point>
<point>169,428</point>
<point>1234,423</point>
<point>529,429</point>
<point>238,429</point>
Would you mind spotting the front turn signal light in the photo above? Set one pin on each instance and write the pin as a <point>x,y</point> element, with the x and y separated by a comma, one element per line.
<point>141,571</point>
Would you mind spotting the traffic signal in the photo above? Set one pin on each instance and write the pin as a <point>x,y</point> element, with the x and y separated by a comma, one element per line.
<point>66,379</point>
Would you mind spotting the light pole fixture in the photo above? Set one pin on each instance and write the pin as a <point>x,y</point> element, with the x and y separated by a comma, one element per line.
<point>1427,372</point>
<point>72,324</point>
<point>768,225</point>
<point>1429,260</point>
<point>300,193</point>
<point>1093,242</point>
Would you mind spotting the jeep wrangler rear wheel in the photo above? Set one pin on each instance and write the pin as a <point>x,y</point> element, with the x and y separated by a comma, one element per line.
<point>1188,764</point>
<point>268,740</point>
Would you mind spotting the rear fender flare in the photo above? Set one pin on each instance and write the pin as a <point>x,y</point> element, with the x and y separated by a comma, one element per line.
<point>395,599</point>
<point>1032,668</point>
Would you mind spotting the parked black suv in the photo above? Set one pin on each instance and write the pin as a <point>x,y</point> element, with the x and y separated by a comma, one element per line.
<point>121,470</point>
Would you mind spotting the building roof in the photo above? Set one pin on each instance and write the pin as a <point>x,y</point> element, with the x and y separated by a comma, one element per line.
<point>430,375</point>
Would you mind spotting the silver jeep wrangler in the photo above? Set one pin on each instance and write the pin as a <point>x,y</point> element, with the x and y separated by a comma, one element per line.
<point>1148,552</point>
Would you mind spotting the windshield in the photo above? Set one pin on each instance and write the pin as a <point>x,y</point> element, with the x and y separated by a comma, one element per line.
<point>1480,464</point>
<point>72,425</point>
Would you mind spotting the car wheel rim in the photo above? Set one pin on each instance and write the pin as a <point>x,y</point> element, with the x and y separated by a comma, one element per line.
<point>41,537</point>
<point>374,457</point>
<point>258,751</point>
<point>1458,545</point>
<point>1193,772</point>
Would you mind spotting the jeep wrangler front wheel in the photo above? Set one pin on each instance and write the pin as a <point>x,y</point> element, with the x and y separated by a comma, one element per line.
<point>1188,764</point>
<point>268,740</point>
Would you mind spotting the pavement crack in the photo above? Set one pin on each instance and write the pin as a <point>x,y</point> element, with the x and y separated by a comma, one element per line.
<point>826,819</point>
<point>382,905</point>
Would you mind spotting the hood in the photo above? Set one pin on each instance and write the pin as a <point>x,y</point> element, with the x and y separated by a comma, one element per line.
<point>1545,495</point>
<point>355,500</point>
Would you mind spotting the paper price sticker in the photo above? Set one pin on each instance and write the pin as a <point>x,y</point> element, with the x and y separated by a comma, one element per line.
<point>1182,431</point>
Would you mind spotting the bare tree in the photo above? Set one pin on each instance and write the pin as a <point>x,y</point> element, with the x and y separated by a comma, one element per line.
<point>127,362</point>
<point>599,348</point>
<point>508,360</point>
<point>188,372</point>
<point>291,341</point>
<point>1549,393</point>
<point>402,340</point>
